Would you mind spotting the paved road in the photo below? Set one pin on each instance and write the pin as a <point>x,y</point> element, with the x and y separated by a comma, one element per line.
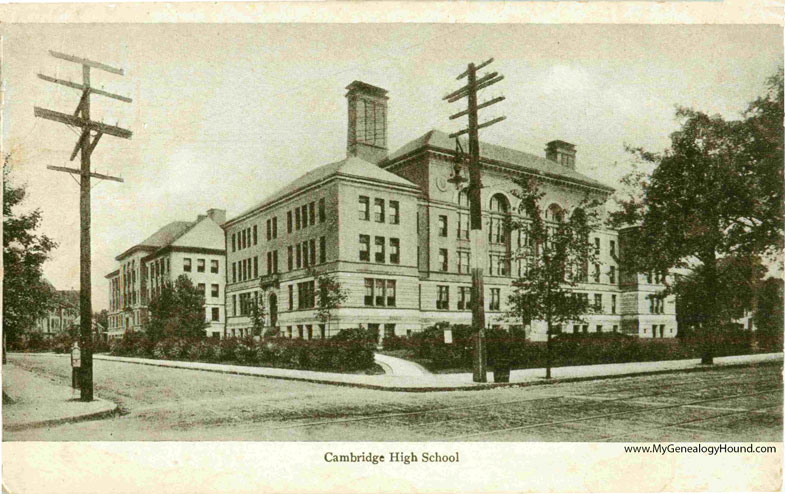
<point>741,404</point>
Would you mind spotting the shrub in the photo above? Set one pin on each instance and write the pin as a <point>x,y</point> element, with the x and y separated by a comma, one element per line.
<point>226,349</point>
<point>245,351</point>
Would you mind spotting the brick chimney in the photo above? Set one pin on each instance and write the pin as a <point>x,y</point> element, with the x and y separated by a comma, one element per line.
<point>561,152</point>
<point>367,136</point>
<point>217,215</point>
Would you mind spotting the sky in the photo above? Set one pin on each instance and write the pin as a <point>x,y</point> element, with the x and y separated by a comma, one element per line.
<point>224,115</point>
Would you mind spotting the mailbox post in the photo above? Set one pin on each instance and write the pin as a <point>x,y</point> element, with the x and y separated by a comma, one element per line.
<point>76,364</point>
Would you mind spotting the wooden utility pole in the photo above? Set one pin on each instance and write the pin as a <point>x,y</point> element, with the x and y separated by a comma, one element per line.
<point>478,247</point>
<point>91,132</point>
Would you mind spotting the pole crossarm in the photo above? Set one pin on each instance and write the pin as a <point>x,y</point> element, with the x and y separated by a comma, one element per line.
<point>89,63</point>
<point>483,85</point>
<point>81,87</point>
<point>482,65</point>
<point>479,107</point>
<point>464,91</point>
<point>80,122</point>
<point>481,126</point>
<point>76,171</point>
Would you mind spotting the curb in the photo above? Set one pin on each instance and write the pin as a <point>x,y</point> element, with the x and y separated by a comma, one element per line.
<point>103,414</point>
<point>469,387</point>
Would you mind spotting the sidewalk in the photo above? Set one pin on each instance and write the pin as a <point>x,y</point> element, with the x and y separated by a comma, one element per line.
<point>36,401</point>
<point>454,382</point>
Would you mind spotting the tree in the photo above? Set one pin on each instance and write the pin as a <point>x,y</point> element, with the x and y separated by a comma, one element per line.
<point>330,294</point>
<point>769,315</point>
<point>717,191</point>
<point>738,281</point>
<point>556,253</point>
<point>177,311</point>
<point>26,296</point>
<point>102,318</point>
<point>258,314</point>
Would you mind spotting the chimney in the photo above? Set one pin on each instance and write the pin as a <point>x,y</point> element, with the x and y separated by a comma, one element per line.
<point>367,136</point>
<point>200,217</point>
<point>561,152</point>
<point>217,215</point>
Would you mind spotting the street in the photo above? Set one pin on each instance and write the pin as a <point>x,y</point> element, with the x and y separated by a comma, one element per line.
<point>731,404</point>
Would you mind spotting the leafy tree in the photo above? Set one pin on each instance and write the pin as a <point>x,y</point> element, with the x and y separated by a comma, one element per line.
<point>258,314</point>
<point>556,253</point>
<point>717,191</point>
<point>738,280</point>
<point>26,296</point>
<point>177,311</point>
<point>769,315</point>
<point>102,318</point>
<point>330,294</point>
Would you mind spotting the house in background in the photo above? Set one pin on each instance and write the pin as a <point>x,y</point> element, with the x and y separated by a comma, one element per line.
<point>395,233</point>
<point>195,248</point>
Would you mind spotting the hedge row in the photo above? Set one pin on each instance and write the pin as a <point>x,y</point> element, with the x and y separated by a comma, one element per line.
<point>349,350</point>
<point>59,343</point>
<point>430,348</point>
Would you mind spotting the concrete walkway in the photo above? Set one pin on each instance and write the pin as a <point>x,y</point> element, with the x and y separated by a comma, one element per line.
<point>399,367</point>
<point>453,382</point>
<point>35,401</point>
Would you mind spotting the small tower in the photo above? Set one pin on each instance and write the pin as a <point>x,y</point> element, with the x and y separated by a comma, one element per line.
<point>367,136</point>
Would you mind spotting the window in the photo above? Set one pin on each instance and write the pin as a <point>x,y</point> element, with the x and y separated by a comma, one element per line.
<point>275,261</point>
<point>379,301</point>
<point>463,261</point>
<point>291,297</point>
<point>463,226</point>
<point>379,250</point>
<point>612,275</point>
<point>214,266</point>
<point>254,235</point>
<point>598,302</point>
<point>313,251</point>
<point>234,242</point>
<point>311,213</point>
<point>599,328</point>
<point>495,297</point>
<point>648,277</point>
<point>296,218</point>
<point>216,314</point>
<point>269,224</point>
<point>305,215</point>
<point>202,289</point>
<point>465,297</point>
<point>187,265</point>
<point>443,260</point>
<point>306,256</point>
<point>288,222</point>
<point>390,293</point>
<point>299,256</point>
<point>269,263</point>
<point>200,265</point>
<point>322,213</point>
<point>378,210</point>
<point>234,305</point>
<point>364,208</point>
<point>597,246</point>
<point>365,248</point>
<point>214,290</point>
<point>395,251</point>
<point>322,250</point>
<point>615,328</point>
<point>612,249</point>
<point>368,291</point>
<point>596,273</point>
<point>275,229</point>
<point>442,225</point>
<point>305,295</point>
<point>613,304</point>
<point>234,272</point>
<point>290,257</point>
<point>443,297</point>
<point>394,213</point>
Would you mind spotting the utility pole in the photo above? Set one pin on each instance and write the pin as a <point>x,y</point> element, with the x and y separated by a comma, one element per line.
<point>478,248</point>
<point>91,132</point>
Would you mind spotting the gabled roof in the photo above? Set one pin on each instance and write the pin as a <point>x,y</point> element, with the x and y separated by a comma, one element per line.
<point>436,139</point>
<point>349,167</point>
<point>69,297</point>
<point>162,237</point>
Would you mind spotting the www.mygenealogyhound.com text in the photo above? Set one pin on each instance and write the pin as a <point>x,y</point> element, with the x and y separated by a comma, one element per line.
<point>700,449</point>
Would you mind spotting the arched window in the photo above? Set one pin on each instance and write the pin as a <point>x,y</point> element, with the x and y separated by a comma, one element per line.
<point>554,213</point>
<point>499,204</point>
<point>463,199</point>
